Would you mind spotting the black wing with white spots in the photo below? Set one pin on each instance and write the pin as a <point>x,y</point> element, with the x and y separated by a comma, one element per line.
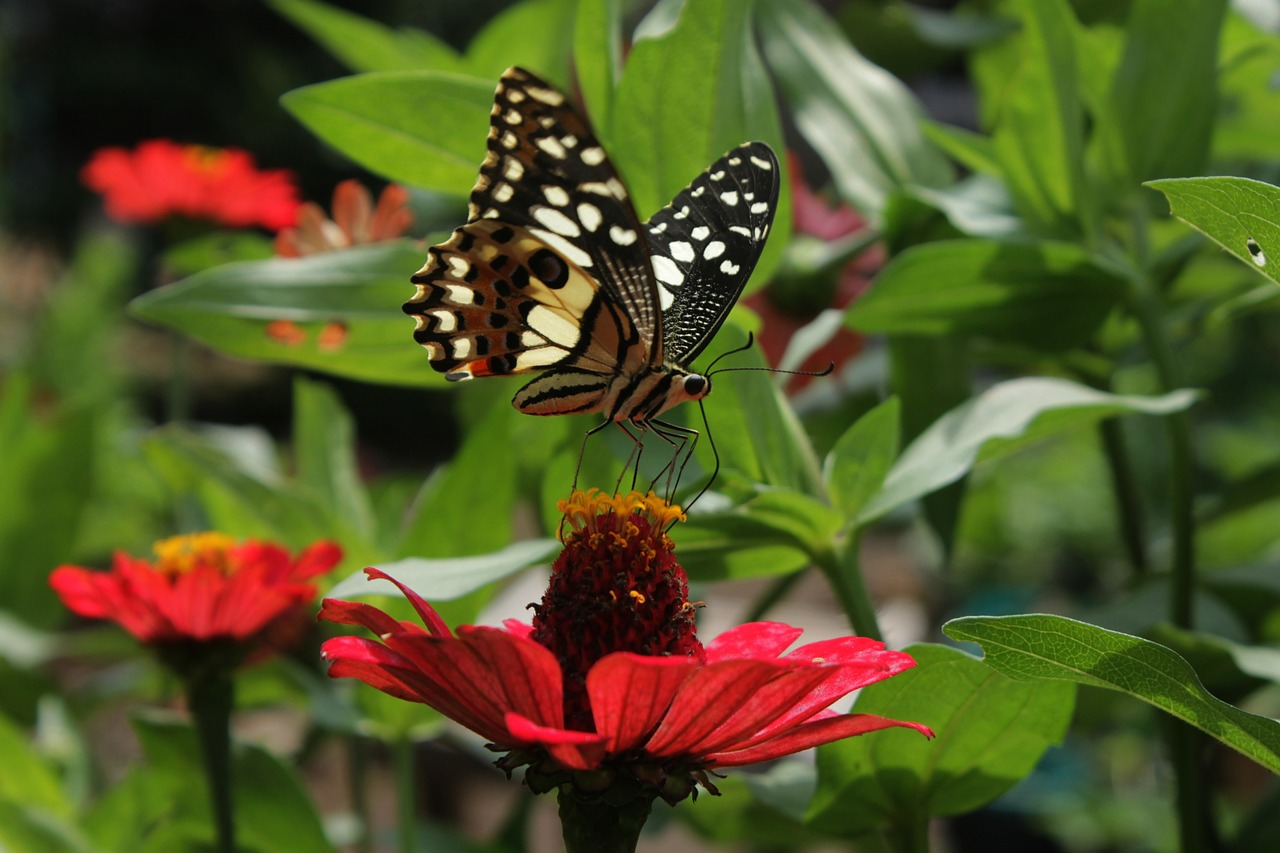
<point>705,244</point>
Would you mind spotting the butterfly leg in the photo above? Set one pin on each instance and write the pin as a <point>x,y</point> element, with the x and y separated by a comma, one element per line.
<point>583,449</point>
<point>683,440</point>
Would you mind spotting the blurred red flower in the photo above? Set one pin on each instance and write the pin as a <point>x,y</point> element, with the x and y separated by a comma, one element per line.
<point>161,178</point>
<point>611,675</point>
<point>200,587</point>
<point>356,221</point>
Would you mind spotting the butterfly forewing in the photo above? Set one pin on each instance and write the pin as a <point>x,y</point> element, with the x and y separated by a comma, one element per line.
<point>705,244</point>
<point>546,172</point>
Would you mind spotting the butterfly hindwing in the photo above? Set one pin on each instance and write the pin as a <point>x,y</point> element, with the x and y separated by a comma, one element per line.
<point>495,300</point>
<point>705,244</point>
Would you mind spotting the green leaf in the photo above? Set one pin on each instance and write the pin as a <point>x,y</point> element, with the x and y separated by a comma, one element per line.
<point>1039,647</point>
<point>467,507</point>
<point>1239,214</point>
<point>366,45</point>
<point>27,779</point>
<point>424,128</point>
<point>1160,114</point>
<point>337,312</point>
<point>238,497</point>
<point>862,121</point>
<point>1039,135</point>
<point>597,53</point>
<point>451,578</point>
<point>856,467</point>
<point>530,34</point>
<point>1044,294</point>
<point>25,829</point>
<point>735,545</point>
<point>686,97</point>
<point>324,442</point>
<point>1003,418</point>
<point>991,731</point>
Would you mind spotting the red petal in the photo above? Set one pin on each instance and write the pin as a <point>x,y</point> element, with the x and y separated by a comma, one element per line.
<point>364,615</point>
<point>754,640</point>
<point>811,734</point>
<point>574,750</point>
<point>435,625</point>
<point>630,694</point>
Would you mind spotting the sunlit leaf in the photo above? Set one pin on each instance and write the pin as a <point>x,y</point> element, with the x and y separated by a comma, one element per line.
<point>363,44</point>
<point>1040,647</point>
<point>1239,214</point>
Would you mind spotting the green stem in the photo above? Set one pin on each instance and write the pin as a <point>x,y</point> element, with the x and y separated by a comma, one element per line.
<point>357,776</point>
<point>910,837</point>
<point>406,795</point>
<point>210,696</point>
<point>844,574</point>
<point>1128,498</point>
<point>594,824</point>
<point>775,593</point>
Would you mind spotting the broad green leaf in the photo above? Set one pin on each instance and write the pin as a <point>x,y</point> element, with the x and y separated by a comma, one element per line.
<point>1239,214</point>
<point>324,443</point>
<point>991,731</point>
<point>1039,133</point>
<point>424,128</point>
<point>451,578</point>
<point>977,206</point>
<point>1004,417</point>
<point>971,150</point>
<point>1160,114</point>
<point>27,829</point>
<point>337,312</point>
<point>856,467</point>
<point>1039,647</point>
<point>1248,114</point>
<point>466,508</point>
<point>28,780</point>
<point>531,34</point>
<point>862,121</point>
<point>718,546</point>
<point>754,808</point>
<point>1043,294</point>
<point>363,44</point>
<point>686,97</point>
<point>237,499</point>
<point>597,54</point>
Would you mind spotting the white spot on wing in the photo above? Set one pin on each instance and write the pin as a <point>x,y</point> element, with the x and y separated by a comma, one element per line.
<point>502,193</point>
<point>550,97</point>
<point>459,295</point>
<point>717,176</point>
<point>445,321</point>
<point>666,271</point>
<point>461,347</point>
<point>698,191</point>
<point>682,251</point>
<point>556,221</point>
<point>592,156</point>
<point>512,169</point>
<point>763,164</point>
<point>714,250</point>
<point>622,236</point>
<point>551,326</point>
<point>556,195</point>
<point>566,248</point>
<point>512,117</point>
<point>741,229</point>
<point>702,232</point>
<point>730,198</point>
<point>728,267</point>
<point>459,266</point>
<point>509,140</point>
<point>552,146</point>
<point>760,207</point>
<point>589,216</point>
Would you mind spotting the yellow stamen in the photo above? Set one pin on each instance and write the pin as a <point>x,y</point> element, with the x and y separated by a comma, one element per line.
<point>180,554</point>
<point>638,596</point>
<point>581,509</point>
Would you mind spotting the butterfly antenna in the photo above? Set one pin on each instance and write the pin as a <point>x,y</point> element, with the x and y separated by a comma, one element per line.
<point>751,339</point>
<point>715,454</point>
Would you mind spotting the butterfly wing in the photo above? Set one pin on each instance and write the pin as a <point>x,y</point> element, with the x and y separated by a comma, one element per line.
<point>548,189</point>
<point>705,244</point>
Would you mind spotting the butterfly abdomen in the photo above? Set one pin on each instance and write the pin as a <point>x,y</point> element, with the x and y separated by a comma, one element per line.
<point>622,397</point>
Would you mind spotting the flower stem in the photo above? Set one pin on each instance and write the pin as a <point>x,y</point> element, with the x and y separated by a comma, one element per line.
<point>1128,500</point>
<point>210,696</point>
<point>406,794</point>
<point>844,573</point>
<point>592,824</point>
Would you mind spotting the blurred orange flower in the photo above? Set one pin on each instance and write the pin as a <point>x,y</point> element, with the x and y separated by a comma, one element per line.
<point>161,178</point>
<point>355,221</point>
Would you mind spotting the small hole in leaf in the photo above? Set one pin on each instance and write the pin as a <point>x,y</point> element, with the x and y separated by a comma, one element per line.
<point>1259,257</point>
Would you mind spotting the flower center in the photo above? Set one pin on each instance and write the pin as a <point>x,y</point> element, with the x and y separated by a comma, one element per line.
<point>616,587</point>
<point>180,554</point>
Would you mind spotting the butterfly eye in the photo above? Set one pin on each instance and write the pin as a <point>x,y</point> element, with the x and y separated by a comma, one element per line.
<point>550,268</point>
<point>696,386</point>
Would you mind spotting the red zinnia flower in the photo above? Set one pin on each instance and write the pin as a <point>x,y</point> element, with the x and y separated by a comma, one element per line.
<point>355,221</point>
<point>201,587</point>
<point>611,676</point>
<point>161,178</point>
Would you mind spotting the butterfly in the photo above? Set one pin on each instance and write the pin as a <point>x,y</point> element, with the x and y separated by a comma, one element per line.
<point>554,274</point>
